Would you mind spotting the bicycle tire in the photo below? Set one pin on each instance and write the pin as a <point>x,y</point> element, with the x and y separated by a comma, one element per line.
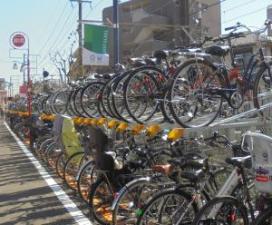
<point>263,217</point>
<point>189,108</point>
<point>119,107</point>
<point>83,193</point>
<point>91,106</point>
<point>105,99</point>
<point>93,201</point>
<point>127,88</point>
<point>51,156</point>
<point>262,76</point>
<point>66,167</point>
<point>222,201</point>
<point>60,160</point>
<point>165,194</point>
<point>139,188</point>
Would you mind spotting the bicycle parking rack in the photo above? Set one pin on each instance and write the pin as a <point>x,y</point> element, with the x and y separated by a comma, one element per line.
<point>233,127</point>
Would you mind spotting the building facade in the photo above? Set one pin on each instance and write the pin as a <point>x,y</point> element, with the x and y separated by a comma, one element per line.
<point>269,16</point>
<point>148,25</point>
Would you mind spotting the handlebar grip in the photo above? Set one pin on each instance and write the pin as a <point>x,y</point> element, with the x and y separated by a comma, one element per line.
<point>240,34</point>
<point>230,28</point>
<point>268,22</point>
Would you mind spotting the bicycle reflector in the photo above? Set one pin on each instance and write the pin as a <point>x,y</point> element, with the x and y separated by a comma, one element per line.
<point>112,124</point>
<point>175,134</point>
<point>137,128</point>
<point>85,121</point>
<point>93,122</point>
<point>101,121</point>
<point>153,130</point>
<point>122,127</point>
<point>80,120</point>
<point>51,117</point>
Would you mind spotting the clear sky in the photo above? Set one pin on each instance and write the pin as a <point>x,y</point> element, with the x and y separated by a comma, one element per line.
<point>49,23</point>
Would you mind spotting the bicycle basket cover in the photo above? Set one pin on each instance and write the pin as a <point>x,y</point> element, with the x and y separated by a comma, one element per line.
<point>100,142</point>
<point>260,146</point>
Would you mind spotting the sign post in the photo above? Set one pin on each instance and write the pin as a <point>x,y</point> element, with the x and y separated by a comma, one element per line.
<point>17,41</point>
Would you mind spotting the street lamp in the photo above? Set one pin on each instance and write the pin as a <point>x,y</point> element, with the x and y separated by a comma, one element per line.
<point>15,66</point>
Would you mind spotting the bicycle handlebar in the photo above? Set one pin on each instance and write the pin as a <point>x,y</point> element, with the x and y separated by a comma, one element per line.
<point>232,27</point>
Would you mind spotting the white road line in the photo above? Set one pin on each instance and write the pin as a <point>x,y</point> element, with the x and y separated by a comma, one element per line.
<point>70,206</point>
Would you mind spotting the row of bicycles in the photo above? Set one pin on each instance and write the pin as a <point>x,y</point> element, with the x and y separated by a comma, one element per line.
<point>104,138</point>
<point>191,86</point>
<point>137,174</point>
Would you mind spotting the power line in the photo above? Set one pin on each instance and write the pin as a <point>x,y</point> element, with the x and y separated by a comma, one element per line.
<point>46,27</point>
<point>61,46</point>
<point>244,15</point>
<point>54,29</point>
<point>58,36</point>
<point>93,8</point>
<point>240,5</point>
<point>209,6</point>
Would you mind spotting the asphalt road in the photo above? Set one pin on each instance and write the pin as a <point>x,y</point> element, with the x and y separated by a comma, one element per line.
<point>25,197</point>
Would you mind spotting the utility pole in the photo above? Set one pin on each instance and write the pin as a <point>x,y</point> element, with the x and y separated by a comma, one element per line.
<point>116,34</point>
<point>24,63</point>
<point>79,30</point>
<point>10,83</point>
<point>80,38</point>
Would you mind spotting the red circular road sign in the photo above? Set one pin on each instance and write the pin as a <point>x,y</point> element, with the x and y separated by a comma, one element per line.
<point>18,40</point>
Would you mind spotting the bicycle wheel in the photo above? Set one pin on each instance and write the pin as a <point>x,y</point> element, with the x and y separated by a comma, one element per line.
<point>60,163</point>
<point>105,97</point>
<point>89,98</point>
<point>262,92</point>
<point>43,146</point>
<point>222,211</point>
<point>52,156</point>
<point>76,102</point>
<point>165,108</point>
<point>49,148</point>
<point>264,218</point>
<point>194,98</point>
<point>85,178</point>
<point>71,168</point>
<point>60,101</point>
<point>133,196</point>
<point>100,200</point>
<point>118,101</point>
<point>171,206</point>
<point>142,94</point>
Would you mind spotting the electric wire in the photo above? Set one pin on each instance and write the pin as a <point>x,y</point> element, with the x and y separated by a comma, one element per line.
<point>54,28</point>
<point>244,15</point>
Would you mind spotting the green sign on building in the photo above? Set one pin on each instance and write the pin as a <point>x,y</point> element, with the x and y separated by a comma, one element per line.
<point>95,50</point>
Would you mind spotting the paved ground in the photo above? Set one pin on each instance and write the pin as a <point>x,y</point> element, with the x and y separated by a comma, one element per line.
<point>25,197</point>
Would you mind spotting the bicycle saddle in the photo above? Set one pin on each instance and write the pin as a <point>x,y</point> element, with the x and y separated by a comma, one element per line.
<point>194,176</point>
<point>98,76</point>
<point>240,161</point>
<point>160,54</point>
<point>137,62</point>
<point>189,162</point>
<point>136,164</point>
<point>164,169</point>
<point>217,50</point>
<point>150,61</point>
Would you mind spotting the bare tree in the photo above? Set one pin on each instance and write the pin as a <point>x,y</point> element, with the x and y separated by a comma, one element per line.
<point>64,61</point>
